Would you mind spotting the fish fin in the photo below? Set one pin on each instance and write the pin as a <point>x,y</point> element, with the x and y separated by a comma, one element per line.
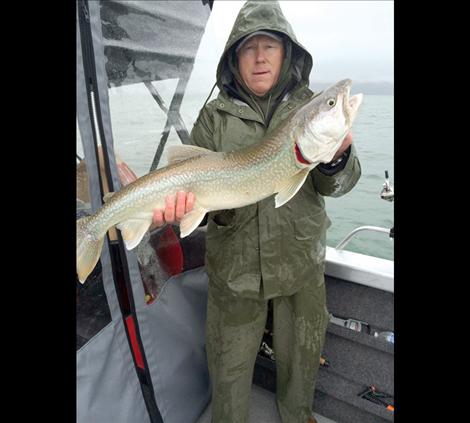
<point>290,187</point>
<point>191,221</point>
<point>133,230</point>
<point>88,249</point>
<point>178,153</point>
<point>107,196</point>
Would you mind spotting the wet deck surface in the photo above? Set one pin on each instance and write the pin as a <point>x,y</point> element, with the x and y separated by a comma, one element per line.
<point>263,409</point>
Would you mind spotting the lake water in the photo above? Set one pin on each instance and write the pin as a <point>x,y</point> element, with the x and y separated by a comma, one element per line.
<point>138,123</point>
<point>362,206</point>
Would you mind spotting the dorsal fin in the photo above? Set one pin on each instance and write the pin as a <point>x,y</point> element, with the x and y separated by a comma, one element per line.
<point>107,196</point>
<point>178,153</point>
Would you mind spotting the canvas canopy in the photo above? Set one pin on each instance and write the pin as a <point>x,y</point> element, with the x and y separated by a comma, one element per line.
<point>136,360</point>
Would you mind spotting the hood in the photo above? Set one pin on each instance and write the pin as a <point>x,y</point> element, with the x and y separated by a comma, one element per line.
<point>258,15</point>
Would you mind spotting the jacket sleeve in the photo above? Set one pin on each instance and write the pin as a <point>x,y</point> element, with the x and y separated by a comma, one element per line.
<point>202,136</point>
<point>336,184</point>
<point>203,130</point>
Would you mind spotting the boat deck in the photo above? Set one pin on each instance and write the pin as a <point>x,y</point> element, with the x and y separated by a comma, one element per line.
<point>263,409</point>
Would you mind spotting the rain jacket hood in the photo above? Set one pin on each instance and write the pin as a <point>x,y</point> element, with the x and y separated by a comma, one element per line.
<point>255,16</point>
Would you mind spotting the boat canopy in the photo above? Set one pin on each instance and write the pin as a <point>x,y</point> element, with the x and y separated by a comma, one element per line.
<point>151,40</point>
<point>140,341</point>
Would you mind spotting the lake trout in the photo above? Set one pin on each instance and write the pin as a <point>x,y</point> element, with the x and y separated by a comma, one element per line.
<point>277,165</point>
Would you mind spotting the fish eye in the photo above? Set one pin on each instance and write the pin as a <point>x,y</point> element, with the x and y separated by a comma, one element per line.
<point>331,102</point>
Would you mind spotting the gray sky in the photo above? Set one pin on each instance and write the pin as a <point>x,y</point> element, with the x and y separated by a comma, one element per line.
<point>347,39</point>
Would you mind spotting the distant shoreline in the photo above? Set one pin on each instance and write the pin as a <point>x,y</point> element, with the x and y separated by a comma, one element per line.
<point>366,88</point>
<point>370,88</point>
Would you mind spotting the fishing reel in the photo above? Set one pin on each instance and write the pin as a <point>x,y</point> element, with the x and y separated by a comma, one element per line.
<point>387,190</point>
<point>388,194</point>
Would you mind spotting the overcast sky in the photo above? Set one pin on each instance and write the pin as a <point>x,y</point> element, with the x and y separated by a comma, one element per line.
<point>347,39</point>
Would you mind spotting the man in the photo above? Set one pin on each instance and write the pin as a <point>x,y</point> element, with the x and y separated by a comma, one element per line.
<point>257,253</point>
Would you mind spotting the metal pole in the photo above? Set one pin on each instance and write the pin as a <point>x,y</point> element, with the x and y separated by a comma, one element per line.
<point>341,245</point>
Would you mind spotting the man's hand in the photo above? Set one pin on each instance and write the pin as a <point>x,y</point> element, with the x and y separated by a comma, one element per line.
<point>176,206</point>
<point>346,143</point>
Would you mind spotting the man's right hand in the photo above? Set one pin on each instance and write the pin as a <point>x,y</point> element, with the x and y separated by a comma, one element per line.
<point>176,206</point>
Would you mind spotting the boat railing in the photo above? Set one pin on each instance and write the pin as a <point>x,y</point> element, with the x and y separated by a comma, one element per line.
<point>343,243</point>
<point>386,194</point>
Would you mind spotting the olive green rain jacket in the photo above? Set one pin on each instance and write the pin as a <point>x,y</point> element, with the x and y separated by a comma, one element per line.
<point>259,251</point>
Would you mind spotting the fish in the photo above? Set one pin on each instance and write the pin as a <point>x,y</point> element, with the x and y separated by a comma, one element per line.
<point>277,165</point>
<point>125,173</point>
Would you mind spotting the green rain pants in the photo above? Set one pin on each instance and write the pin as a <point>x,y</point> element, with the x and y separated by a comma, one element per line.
<point>234,330</point>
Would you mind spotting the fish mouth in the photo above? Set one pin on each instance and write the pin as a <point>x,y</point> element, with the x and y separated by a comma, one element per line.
<point>351,104</point>
<point>354,103</point>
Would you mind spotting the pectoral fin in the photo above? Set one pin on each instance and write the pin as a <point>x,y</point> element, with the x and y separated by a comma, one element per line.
<point>191,221</point>
<point>178,153</point>
<point>290,187</point>
<point>133,230</point>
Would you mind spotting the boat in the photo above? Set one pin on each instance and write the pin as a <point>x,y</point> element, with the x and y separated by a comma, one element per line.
<point>141,313</point>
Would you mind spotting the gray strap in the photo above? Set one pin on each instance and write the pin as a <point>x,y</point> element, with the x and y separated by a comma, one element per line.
<point>107,142</point>
<point>102,80</point>
<point>86,133</point>
<point>173,120</point>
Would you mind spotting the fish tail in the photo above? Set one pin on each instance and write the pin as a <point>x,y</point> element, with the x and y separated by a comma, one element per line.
<point>88,249</point>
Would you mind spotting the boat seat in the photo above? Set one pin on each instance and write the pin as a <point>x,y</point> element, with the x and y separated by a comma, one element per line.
<point>177,254</point>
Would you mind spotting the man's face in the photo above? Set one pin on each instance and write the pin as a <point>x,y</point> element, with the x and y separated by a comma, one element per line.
<point>259,62</point>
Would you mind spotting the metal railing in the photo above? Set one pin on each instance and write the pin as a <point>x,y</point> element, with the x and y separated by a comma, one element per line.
<point>342,244</point>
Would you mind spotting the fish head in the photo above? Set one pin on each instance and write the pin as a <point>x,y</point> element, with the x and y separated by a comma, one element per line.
<point>327,118</point>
